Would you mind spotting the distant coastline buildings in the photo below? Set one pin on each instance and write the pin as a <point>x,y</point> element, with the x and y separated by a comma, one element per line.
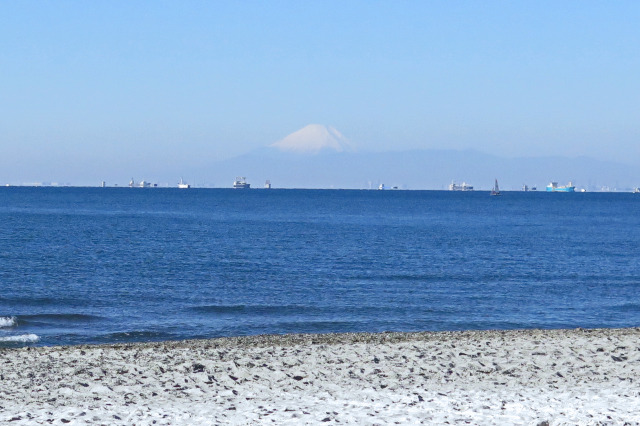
<point>241,183</point>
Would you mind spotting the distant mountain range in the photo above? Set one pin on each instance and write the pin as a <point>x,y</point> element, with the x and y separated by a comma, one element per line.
<point>320,157</point>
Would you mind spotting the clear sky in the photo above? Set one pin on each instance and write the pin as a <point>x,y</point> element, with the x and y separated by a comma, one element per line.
<point>107,88</point>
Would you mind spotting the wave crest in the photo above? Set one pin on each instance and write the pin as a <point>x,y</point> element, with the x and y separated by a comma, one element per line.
<point>7,322</point>
<point>23,338</point>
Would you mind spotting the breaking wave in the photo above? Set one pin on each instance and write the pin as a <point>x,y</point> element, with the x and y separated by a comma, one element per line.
<point>23,338</point>
<point>7,322</point>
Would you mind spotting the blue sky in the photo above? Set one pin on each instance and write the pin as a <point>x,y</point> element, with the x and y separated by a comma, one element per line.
<point>108,88</point>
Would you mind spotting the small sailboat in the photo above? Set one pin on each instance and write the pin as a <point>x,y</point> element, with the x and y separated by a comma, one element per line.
<point>496,189</point>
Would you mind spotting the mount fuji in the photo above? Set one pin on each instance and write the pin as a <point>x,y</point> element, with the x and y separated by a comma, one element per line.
<point>319,156</point>
<point>313,139</point>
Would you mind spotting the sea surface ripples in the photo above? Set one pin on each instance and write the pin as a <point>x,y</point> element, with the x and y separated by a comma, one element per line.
<point>103,265</point>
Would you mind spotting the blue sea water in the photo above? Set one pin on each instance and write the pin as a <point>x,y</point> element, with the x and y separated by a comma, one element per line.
<point>105,265</point>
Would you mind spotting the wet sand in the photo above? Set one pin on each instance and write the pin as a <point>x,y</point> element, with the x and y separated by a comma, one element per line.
<point>475,377</point>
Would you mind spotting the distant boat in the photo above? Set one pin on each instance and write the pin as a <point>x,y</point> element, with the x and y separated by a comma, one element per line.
<point>142,184</point>
<point>496,189</point>
<point>636,190</point>
<point>553,187</point>
<point>183,184</point>
<point>382,187</point>
<point>267,184</point>
<point>241,183</point>
<point>463,187</point>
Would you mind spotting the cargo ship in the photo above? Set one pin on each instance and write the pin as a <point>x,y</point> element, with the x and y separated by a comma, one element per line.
<point>241,183</point>
<point>553,187</point>
<point>183,185</point>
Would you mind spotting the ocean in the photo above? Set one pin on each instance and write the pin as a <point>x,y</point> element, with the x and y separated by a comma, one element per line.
<point>108,265</point>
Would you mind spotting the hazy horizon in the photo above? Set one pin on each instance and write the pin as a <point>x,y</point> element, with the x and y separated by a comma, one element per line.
<point>110,91</point>
<point>331,168</point>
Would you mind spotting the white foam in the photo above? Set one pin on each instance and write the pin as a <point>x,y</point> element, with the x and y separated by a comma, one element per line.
<point>7,322</point>
<point>23,338</point>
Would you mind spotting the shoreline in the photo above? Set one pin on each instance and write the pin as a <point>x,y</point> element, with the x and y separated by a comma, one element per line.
<point>560,376</point>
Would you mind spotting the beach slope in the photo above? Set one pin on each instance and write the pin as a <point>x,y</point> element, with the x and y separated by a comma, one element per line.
<point>477,377</point>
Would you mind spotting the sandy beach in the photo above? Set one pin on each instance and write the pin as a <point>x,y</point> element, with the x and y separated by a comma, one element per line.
<point>476,377</point>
